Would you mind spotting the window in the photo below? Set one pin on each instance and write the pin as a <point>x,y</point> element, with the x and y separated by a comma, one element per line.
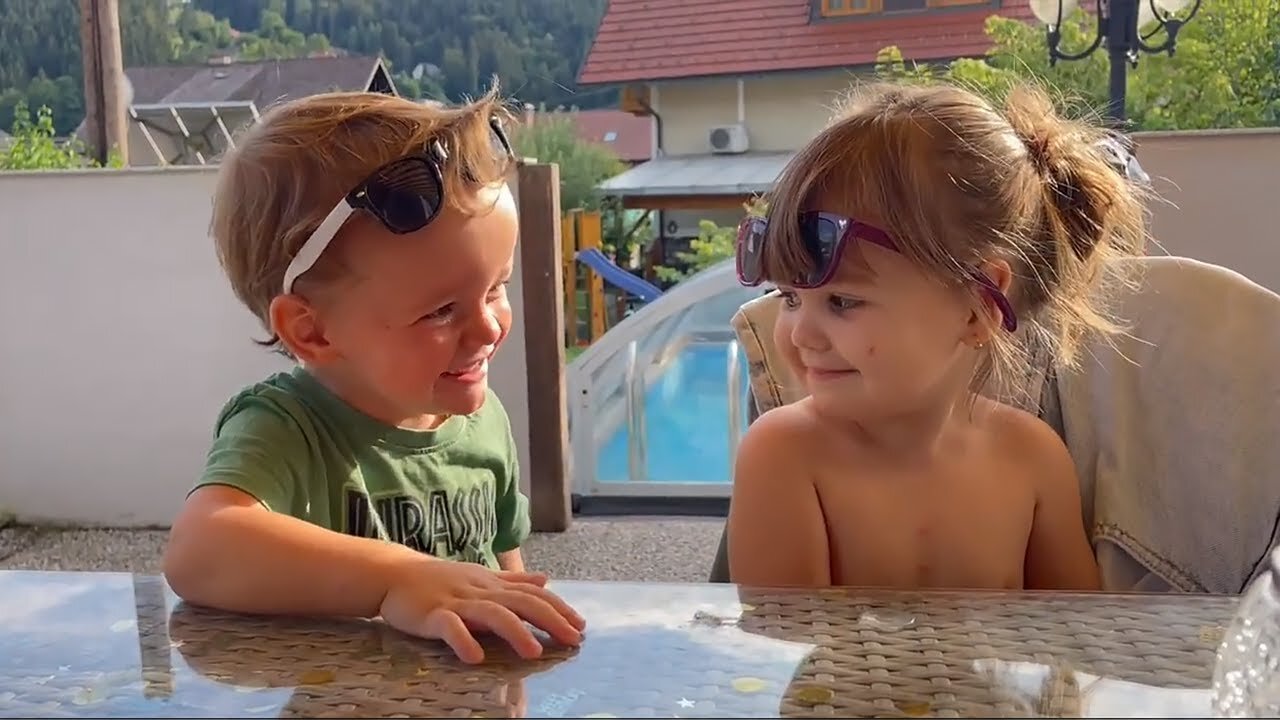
<point>840,8</point>
<point>845,8</point>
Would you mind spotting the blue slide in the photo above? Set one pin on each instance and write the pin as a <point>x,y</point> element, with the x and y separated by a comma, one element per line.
<point>614,275</point>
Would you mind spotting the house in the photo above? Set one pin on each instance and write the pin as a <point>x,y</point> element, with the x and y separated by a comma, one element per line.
<point>628,135</point>
<point>188,114</point>
<point>736,89</point>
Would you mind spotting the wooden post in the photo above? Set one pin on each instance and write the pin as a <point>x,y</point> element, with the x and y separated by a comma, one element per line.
<point>540,262</point>
<point>105,101</point>
<point>622,258</point>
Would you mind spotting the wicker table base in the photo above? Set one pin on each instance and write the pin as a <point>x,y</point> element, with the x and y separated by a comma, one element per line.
<point>105,645</point>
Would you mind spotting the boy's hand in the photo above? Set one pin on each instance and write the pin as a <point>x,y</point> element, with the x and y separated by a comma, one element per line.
<point>448,601</point>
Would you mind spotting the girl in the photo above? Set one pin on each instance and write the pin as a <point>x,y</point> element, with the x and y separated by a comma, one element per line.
<point>921,244</point>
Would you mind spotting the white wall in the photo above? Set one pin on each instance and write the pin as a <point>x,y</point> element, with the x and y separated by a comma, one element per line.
<point>120,341</point>
<point>781,110</point>
<point>1217,193</point>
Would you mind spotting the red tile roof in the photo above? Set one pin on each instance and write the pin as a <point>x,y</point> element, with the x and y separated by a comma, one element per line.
<point>630,136</point>
<point>640,40</point>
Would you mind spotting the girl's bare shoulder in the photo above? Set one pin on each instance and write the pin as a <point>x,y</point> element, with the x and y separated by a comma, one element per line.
<point>789,435</point>
<point>1015,431</point>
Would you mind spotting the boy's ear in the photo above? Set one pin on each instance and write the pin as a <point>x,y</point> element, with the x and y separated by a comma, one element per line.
<point>299,327</point>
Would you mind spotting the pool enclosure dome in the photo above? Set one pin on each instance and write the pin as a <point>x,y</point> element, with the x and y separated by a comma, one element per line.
<point>656,405</point>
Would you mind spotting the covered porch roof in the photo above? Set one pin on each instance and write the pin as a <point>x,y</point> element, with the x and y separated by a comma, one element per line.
<point>696,181</point>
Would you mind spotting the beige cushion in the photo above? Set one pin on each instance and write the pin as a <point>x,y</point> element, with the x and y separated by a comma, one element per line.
<point>772,383</point>
<point>1173,429</point>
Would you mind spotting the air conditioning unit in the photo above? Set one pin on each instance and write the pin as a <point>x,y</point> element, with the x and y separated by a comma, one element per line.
<point>728,139</point>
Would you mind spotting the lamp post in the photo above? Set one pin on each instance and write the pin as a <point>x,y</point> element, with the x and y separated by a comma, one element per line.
<point>1120,24</point>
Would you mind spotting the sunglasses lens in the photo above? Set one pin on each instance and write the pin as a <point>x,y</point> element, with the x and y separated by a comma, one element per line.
<point>499,146</point>
<point>498,140</point>
<point>750,249</point>
<point>821,236</point>
<point>405,195</point>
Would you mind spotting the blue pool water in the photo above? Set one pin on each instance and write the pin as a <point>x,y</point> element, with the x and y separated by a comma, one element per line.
<point>686,422</point>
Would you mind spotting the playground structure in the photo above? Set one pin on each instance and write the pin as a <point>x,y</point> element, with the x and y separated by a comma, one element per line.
<point>587,269</point>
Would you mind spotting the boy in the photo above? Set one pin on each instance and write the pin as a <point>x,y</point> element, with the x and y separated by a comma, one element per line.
<point>374,238</point>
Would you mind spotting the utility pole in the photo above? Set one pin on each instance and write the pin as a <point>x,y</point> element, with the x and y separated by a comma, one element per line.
<point>106,116</point>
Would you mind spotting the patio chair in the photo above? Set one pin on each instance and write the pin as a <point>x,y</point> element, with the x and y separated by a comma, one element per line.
<point>1172,426</point>
<point>770,382</point>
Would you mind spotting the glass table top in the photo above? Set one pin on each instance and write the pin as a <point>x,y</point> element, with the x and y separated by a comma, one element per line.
<point>120,645</point>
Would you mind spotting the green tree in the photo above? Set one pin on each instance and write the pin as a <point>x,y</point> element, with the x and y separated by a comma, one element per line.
<point>714,244</point>
<point>553,138</point>
<point>275,40</point>
<point>63,97</point>
<point>1225,72</point>
<point>534,46</point>
<point>198,34</point>
<point>32,145</point>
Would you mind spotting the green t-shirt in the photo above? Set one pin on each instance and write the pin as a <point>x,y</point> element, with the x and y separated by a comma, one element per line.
<point>299,449</point>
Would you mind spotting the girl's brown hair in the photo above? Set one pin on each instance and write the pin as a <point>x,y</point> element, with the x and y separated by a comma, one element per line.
<point>956,182</point>
<point>288,170</point>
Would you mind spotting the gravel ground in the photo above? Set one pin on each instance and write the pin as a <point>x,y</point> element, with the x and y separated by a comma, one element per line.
<point>652,549</point>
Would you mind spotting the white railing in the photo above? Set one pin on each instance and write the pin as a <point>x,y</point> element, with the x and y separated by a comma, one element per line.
<point>734,373</point>
<point>637,447</point>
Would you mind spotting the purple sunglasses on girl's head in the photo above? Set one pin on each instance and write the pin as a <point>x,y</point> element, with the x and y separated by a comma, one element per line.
<point>825,236</point>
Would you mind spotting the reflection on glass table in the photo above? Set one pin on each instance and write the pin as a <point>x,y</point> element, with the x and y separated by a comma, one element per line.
<point>115,645</point>
<point>1091,696</point>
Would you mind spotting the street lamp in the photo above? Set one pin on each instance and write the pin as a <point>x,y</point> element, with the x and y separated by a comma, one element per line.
<point>1119,26</point>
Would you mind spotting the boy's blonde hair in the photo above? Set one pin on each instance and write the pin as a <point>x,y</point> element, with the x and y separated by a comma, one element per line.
<point>288,170</point>
<point>955,182</point>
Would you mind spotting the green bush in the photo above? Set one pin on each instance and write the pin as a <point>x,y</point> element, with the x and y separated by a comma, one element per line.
<point>33,146</point>
<point>713,244</point>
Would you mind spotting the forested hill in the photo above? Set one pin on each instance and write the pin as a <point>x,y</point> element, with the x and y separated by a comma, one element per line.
<point>439,48</point>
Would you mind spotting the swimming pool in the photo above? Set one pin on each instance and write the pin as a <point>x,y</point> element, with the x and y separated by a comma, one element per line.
<point>686,420</point>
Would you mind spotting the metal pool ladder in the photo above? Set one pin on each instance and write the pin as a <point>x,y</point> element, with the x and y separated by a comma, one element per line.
<point>637,439</point>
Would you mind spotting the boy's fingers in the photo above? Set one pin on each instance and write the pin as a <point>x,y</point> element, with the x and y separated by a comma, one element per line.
<point>541,614</point>
<point>505,624</point>
<point>529,578</point>
<point>446,625</point>
<point>579,623</point>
